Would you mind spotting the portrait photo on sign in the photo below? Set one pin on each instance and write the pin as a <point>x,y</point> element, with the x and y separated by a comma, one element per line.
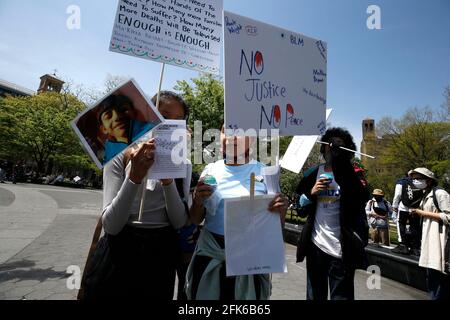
<point>117,121</point>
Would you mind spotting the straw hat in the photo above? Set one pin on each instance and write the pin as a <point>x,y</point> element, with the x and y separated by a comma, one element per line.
<point>427,173</point>
<point>378,192</point>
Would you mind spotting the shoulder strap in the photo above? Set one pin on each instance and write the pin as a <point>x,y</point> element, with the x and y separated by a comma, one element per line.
<point>372,202</point>
<point>436,205</point>
<point>435,201</point>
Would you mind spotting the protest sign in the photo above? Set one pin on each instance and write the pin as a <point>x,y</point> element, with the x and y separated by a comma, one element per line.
<point>274,78</point>
<point>299,150</point>
<point>253,238</point>
<point>184,33</point>
<point>119,120</point>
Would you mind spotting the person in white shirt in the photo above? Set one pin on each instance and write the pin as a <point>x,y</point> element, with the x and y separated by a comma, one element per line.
<point>334,237</point>
<point>435,212</point>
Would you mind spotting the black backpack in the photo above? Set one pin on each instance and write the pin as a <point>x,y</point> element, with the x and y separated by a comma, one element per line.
<point>411,196</point>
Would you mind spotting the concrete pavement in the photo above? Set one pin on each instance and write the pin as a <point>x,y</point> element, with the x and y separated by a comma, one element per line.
<point>45,229</point>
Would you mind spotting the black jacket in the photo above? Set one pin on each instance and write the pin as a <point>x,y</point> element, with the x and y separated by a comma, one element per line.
<point>354,226</point>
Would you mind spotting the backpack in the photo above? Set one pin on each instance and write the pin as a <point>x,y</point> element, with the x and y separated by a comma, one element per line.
<point>411,196</point>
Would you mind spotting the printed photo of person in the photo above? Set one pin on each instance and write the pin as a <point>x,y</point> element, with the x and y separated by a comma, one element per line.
<point>116,122</point>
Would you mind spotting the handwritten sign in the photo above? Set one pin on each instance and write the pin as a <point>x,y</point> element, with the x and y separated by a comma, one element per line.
<point>299,149</point>
<point>253,237</point>
<point>121,119</point>
<point>274,78</point>
<point>185,33</point>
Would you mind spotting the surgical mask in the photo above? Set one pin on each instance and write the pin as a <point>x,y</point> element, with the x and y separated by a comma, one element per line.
<point>419,184</point>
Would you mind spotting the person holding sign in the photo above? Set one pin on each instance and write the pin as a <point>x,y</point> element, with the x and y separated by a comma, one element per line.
<point>229,178</point>
<point>336,232</point>
<point>144,253</point>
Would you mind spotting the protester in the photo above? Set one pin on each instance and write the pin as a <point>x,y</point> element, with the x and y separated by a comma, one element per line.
<point>407,196</point>
<point>336,232</point>
<point>206,278</point>
<point>435,212</point>
<point>378,211</point>
<point>144,253</point>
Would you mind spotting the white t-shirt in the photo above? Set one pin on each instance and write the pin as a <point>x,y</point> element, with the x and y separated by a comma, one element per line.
<point>327,226</point>
<point>397,203</point>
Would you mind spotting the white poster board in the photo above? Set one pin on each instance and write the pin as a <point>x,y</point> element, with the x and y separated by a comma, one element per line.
<point>274,78</point>
<point>171,151</point>
<point>299,149</point>
<point>182,33</point>
<point>253,237</point>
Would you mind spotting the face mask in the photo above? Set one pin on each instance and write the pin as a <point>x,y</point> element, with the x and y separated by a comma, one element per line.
<point>419,184</point>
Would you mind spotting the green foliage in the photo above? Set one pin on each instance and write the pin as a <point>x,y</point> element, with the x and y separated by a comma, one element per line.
<point>205,98</point>
<point>37,128</point>
<point>418,139</point>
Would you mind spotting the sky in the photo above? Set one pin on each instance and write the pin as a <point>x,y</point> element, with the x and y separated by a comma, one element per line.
<point>371,73</point>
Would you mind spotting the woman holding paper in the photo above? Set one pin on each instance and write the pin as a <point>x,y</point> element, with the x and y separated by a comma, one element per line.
<point>206,279</point>
<point>144,253</point>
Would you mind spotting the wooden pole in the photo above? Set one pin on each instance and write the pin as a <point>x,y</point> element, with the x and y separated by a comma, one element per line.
<point>144,189</point>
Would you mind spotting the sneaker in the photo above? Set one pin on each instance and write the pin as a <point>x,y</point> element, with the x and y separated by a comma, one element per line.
<point>401,249</point>
<point>415,252</point>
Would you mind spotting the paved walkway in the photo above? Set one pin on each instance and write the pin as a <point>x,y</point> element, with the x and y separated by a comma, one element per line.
<point>45,229</point>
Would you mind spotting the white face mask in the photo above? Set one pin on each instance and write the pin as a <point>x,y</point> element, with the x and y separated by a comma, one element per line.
<point>419,184</point>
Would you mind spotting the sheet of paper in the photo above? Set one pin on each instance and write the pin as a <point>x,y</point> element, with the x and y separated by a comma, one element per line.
<point>171,151</point>
<point>253,237</point>
<point>299,150</point>
<point>271,177</point>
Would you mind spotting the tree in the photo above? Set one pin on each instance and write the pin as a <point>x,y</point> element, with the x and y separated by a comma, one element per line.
<point>419,139</point>
<point>205,97</point>
<point>38,128</point>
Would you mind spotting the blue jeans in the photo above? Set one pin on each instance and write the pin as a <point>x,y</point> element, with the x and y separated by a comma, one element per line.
<point>438,285</point>
<point>323,270</point>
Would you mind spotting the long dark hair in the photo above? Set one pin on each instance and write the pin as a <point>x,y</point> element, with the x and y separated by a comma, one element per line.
<point>167,95</point>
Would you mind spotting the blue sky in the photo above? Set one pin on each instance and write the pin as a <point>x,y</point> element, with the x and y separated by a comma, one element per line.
<point>371,73</point>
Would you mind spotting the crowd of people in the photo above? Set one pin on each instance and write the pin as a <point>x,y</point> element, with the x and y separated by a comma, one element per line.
<point>19,172</point>
<point>181,229</point>
<point>421,211</point>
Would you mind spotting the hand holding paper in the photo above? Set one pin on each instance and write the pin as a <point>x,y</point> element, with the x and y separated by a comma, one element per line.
<point>279,205</point>
<point>141,161</point>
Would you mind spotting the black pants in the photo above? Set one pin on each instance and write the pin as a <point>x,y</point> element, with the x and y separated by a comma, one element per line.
<point>323,269</point>
<point>413,239</point>
<point>181,274</point>
<point>144,262</point>
<point>438,285</point>
<point>227,284</point>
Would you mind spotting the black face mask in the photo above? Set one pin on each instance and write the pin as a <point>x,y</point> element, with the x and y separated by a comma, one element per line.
<point>378,199</point>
